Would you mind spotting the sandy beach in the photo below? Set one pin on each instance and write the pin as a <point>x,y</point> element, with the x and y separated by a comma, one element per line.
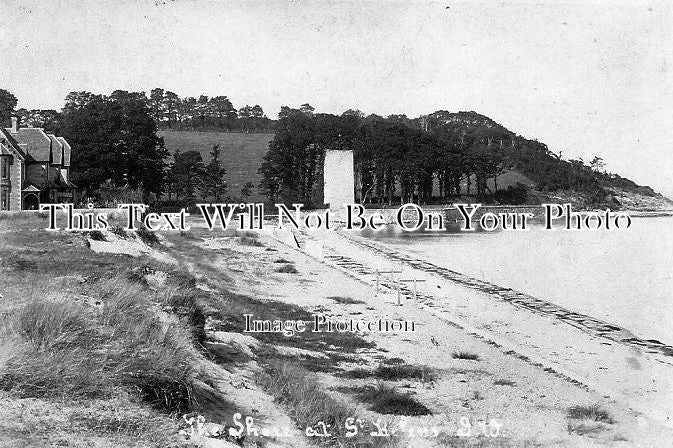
<point>523,377</point>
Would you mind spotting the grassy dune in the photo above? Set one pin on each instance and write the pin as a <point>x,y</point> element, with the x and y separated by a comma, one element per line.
<point>87,341</point>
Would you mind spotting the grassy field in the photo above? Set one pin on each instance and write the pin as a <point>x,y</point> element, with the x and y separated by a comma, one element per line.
<point>242,154</point>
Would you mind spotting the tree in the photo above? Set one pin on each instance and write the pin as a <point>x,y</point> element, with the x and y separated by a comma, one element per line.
<point>40,118</point>
<point>8,103</point>
<point>171,104</point>
<point>115,137</point>
<point>246,190</point>
<point>307,109</point>
<point>597,164</point>
<point>289,167</point>
<point>156,102</point>
<point>187,174</point>
<point>214,184</point>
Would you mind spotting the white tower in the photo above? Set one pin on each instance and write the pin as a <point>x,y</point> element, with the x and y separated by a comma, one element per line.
<point>339,178</point>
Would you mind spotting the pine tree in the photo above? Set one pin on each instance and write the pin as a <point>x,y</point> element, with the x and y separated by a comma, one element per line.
<point>214,184</point>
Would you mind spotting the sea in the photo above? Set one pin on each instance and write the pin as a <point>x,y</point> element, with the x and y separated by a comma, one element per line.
<point>623,277</point>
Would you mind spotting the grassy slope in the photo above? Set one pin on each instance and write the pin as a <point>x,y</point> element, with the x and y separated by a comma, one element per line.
<point>242,154</point>
<point>90,353</point>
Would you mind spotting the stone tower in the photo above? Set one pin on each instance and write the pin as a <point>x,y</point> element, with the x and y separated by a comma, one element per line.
<point>339,178</point>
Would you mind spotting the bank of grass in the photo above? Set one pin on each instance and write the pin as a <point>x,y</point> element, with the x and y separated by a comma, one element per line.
<point>386,399</point>
<point>393,372</point>
<point>345,300</point>
<point>588,420</point>
<point>465,355</point>
<point>65,350</point>
<point>308,403</point>
<point>84,336</point>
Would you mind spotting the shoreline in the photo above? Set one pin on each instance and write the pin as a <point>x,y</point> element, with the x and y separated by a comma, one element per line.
<point>604,373</point>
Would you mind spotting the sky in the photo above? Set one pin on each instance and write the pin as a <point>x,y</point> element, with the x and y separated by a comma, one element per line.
<point>583,77</point>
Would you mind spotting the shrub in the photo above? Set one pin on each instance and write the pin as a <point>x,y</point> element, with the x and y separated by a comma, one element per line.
<point>591,412</point>
<point>287,269</point>
<point>96,235</point>
<point>119,231</point>
<point>512,195</point>
<point>250,241</point>
<point>345,300</point>
<point>465,355</point>
<point>149,238</point>
<point>404,371</point>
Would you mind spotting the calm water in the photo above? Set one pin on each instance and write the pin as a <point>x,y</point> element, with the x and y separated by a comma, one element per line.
<point>624,277</point>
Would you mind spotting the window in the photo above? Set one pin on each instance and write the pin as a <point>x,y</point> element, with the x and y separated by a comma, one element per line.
<point>4,203</point>
<point>5,167</point>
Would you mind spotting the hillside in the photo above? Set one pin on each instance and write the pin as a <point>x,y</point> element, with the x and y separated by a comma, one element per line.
<point>530,163</point>
<point>241,154</point>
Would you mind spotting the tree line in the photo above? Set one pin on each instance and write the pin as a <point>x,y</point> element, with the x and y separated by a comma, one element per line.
<point>170,111</point>
<point>432,158</point>
<point>118,155</point>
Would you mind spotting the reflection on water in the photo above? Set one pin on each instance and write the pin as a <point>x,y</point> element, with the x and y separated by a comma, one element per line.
<point>624,277</point>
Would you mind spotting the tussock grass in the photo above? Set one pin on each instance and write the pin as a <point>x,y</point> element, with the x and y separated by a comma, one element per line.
<point>392,361</point>
<point>118,230</point>
<point>300,393</point>
<point>282,260</point>
<point>387,400</point>
<point>19,262</point>
<point>96,235</point>
<point>287,269</point>
<point>465,355</point>
<point>67,350</point>
<point>345,300</point>
<point>394,372</point>
<point>588,420</point>
<point>247,234</point>
<point>147,237</point>
<point>189,305</point>
<point>404,371</point>
<point>250,241</point>
<point>591,412</point>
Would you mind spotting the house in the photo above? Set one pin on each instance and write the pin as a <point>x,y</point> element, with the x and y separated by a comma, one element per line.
<point>34,168</point>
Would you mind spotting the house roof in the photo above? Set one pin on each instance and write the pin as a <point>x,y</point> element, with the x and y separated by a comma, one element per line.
<point>56,149</point>
<point>37,142</point>
<point>11,142</point>
<point>66,151</point>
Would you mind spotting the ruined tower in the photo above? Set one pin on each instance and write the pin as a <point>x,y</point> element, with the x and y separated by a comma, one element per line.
<point>339,178</point>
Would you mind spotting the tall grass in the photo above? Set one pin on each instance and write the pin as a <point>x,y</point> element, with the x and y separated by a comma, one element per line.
<point>300,393</point>
<point>61,349</point>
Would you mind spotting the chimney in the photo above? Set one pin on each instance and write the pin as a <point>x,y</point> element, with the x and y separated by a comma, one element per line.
<point>15,125</point>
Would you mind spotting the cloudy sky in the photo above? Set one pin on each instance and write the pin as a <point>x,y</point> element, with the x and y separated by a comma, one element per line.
<point>584,77</point>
